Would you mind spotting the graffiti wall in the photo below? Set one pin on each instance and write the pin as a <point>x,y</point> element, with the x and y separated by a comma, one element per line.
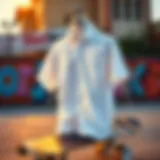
<point>145,83</point>
<point>18,83</point>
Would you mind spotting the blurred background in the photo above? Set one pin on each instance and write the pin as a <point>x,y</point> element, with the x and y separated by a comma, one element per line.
<point>29,27</point>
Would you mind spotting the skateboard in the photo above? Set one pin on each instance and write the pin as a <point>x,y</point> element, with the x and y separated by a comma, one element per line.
<point>51,147</point>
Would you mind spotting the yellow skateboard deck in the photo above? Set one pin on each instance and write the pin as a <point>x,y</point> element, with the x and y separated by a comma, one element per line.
<point>51,146</point>
<point>46,145</point>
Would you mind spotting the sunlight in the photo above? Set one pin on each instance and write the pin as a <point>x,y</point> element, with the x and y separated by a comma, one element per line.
<point>23,2</point>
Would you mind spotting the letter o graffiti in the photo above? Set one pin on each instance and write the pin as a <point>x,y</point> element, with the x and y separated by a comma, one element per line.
<point>8,89</point>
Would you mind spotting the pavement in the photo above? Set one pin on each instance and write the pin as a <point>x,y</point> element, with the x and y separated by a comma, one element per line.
<point>18,124</point>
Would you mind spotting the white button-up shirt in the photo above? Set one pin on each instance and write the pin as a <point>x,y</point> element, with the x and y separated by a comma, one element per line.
<point>86,78</point>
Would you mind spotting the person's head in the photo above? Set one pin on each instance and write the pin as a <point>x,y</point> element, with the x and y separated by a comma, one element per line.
<point>76,23</point>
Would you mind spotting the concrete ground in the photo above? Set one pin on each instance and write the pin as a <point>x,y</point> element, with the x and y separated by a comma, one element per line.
<point>20,124</point>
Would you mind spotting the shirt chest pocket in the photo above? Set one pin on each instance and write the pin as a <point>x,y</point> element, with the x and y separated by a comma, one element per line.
<point>95,60</point>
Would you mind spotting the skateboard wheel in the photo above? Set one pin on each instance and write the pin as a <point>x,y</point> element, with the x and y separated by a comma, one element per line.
<point>125,152</point>
<point>22,150</point>
<point>105,146</point>
<point>127,155</point>
<point>64,156</point>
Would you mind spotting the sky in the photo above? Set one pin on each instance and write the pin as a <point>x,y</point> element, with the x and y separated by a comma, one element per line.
<point>155,9</point>
<point>7,9</point>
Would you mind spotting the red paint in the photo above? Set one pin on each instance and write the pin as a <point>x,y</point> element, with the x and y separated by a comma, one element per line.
<point>150,81</point>
<point>26,80</point>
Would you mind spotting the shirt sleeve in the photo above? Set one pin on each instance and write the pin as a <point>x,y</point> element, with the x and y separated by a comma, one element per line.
<point>47,75</point>
<point>118,70</point>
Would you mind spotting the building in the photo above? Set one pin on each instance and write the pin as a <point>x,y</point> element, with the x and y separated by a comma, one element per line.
<point>128,17</point>
<point>121,17</point>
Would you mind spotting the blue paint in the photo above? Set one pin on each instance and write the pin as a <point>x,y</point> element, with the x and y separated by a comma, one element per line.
<point>8,89</point>
<point>136,87</point>
<point>38,93</point>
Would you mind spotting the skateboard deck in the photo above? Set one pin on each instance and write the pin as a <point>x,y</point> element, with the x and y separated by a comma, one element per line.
<point>46,145</point>
<point>52,148</point>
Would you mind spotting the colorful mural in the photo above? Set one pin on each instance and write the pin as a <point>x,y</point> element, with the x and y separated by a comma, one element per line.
<point>18,83</point>
<point>145,83</point>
